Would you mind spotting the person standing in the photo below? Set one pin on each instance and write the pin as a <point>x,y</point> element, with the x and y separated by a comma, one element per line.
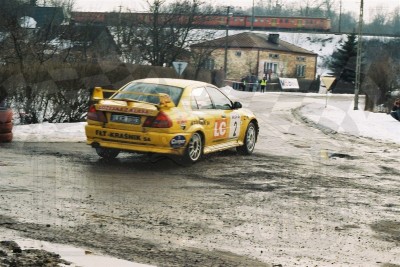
<point>263,84</point>
<point>244,84</point>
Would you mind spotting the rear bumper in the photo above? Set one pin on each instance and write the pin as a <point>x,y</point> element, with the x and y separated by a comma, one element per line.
<point>142,142</point>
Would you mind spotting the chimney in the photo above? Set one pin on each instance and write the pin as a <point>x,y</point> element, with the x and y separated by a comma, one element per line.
<point>273,38</point>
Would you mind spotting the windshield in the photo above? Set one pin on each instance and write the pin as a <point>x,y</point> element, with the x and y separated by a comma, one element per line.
<point>144,92</point>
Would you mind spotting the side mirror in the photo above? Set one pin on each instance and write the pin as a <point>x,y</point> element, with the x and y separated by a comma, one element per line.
<point>236,105</point>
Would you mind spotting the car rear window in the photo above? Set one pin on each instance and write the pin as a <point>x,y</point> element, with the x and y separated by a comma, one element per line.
<point>143,92</point>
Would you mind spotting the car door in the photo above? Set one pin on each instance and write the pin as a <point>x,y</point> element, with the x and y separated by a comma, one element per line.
<point>228,121</point>
<point>203,109</point>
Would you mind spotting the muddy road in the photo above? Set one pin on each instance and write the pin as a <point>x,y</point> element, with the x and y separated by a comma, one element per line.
<point>306,197</point>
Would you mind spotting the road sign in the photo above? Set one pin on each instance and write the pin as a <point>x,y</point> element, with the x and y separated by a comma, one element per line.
<point>328,81</point>
<point>179,66</point>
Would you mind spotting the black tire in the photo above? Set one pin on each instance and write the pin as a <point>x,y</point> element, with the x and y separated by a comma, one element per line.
<point>107,153</point>
<point>249,141</point>
<point>194,149</point>
<point>6,137</point>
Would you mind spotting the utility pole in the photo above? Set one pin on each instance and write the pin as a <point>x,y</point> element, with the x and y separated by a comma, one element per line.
<point>228,9</point>
<point>252,16</point>
<point>358,64</point>
<point>119,26</point>
<point>340,16</point>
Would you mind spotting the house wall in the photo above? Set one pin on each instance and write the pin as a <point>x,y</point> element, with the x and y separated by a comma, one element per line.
<point>287,63</point>
<point>242,62</point>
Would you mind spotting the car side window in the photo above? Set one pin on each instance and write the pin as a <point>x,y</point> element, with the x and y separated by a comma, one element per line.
<point>220,100</point>
<point>200,99</point>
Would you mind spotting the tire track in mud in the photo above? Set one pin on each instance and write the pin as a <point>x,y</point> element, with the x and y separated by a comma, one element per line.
<point>128,248</point>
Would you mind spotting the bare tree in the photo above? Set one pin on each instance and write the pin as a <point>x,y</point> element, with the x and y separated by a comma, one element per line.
<point>165,35</point>
<point>395,21</point>
<point>383,71</point>
<point>22,42</point>
<point>25,48</point>
<point>311,8</point>
<point>378,24</point>
<point>201,55</point>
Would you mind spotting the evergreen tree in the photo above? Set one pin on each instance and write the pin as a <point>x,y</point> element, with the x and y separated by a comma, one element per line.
<point>343,60</point>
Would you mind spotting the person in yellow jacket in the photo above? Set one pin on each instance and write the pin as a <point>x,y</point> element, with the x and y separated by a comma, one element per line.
<point>263,84</point>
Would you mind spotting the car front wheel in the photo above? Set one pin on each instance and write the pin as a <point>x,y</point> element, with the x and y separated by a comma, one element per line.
<point>107,153</point>
<point>249,141</point>
<point>194,149</point>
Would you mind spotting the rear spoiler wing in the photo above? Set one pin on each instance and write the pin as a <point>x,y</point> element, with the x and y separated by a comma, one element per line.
<point>164,99</point>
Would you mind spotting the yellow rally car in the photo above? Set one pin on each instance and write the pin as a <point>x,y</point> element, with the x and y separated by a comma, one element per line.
<point>169,116</point>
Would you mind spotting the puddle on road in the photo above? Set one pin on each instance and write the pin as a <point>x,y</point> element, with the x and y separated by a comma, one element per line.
<point>76,256</point>
<point>325,154</point>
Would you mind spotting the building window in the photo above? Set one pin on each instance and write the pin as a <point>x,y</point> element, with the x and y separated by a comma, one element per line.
<point>274,56</point>
<point>301,59</point>
<point>270,67</point>
<point>300,70</point>
<point>238,53</point>
<point>208,64</point>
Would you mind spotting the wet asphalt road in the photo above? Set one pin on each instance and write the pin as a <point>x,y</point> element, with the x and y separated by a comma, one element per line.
<point>306,197</point>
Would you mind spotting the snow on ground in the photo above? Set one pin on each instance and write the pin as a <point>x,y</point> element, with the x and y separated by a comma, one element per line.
<point>339,117</point>
<point>50,132</point>
<point>380,126</point>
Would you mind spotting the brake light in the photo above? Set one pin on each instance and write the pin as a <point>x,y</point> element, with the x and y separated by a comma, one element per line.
<point>160,121</point>
<point>95,115</point>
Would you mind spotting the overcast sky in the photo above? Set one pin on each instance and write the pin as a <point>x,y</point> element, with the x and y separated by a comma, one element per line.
<point>370,6</point>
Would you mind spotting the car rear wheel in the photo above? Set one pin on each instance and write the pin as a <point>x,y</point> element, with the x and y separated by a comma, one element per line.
<point>107,153</point>
<point>249,140</point>
<point>194,149</point>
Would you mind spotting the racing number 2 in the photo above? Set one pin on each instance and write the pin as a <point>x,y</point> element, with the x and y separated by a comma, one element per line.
<point>234,125</point>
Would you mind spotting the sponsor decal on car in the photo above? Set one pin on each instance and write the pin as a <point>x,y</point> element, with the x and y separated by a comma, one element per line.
<point>182,121</point>
<point>201,122</point>
<point>118,135</point>
<point>124,109</point>
<point>220,128</point>
<point>178,141</point>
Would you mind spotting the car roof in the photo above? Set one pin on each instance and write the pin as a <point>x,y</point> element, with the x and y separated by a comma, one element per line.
<point>183,83</point>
